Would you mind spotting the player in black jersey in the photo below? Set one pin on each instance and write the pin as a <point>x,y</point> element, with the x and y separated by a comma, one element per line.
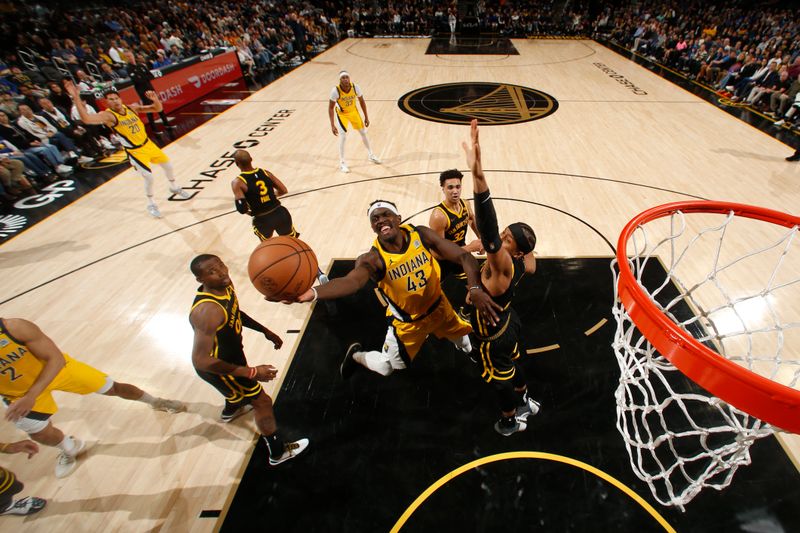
<point>256,192</point>
<point>218,354</point>
<point>451,218</point>
<point>509,255</point>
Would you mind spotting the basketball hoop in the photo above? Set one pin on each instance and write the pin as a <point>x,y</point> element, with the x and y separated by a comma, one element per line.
<point>721,310</point>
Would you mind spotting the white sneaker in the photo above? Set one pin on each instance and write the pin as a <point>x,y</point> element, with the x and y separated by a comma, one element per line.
<point>290,451</point>
<point>375,159</point>
<point>152,209</point>
<point>169,406</point>
<point>107,145</point>
<point>178,191</point>
<point>64,169</point>
<point>66,462</point>
<point>85,159</point>
<point>780,122</point>
<point>72,155</point>
<point>343,168</point>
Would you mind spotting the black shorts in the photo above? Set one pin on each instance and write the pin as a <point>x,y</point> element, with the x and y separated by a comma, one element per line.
<point>278,220</point>
<point>498,352</point>
<point>233,388</point>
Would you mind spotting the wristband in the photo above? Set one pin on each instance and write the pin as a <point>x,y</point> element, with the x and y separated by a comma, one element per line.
<point>251,372</point>
<point>3,447</point>
<point>314,290</point>
<point>475,287</point>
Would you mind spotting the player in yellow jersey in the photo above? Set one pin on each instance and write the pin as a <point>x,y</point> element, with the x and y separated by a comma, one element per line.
<point>142,151</point>
<point>401,262</point>
<point>32,367</point>
<point>344,116</point>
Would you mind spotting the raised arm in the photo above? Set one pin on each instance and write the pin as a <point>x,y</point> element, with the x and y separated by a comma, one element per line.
<point>155,107</point>
<point>101,117</point>
<point>500,262</point>
<point>43,349</point>
<point>367,265</point>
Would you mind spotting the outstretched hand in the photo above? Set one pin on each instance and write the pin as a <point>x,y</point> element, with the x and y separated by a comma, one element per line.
<point>265,373</point>
<point>276,341</point>
<point>26,446</point>
<point>151,95</point>
<point>473,149</point>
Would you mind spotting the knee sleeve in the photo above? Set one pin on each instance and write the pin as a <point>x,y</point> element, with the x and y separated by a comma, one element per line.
<point>486,218</point>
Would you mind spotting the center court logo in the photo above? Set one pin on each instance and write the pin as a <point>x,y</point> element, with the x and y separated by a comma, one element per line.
<point>493,104</point>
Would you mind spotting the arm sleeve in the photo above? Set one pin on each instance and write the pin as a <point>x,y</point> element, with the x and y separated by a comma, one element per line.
<point>334,94</point>
<point>486,219</point>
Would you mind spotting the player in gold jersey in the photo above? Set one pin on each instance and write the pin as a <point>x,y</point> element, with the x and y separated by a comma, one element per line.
<point>142,151</point>
<point>343,114</point>
<point>401,262</point>
<point>32,367</point>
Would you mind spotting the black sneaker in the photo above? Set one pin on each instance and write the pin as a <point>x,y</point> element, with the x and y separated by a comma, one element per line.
<point>348,365</point>
<point>507,431</point>
<point>794,157</point>
<point>233,411</point>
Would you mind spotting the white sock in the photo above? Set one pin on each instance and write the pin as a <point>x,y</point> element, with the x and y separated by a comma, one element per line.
<point>150,200</point>
<point>364,138</point>
<point>342,139</point>
<point>146,398</point>
<point>375,361</point>
<point>463,344</point>
<point>68,445</point>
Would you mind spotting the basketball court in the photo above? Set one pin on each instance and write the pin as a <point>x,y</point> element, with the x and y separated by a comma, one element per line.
<point>578,141</point>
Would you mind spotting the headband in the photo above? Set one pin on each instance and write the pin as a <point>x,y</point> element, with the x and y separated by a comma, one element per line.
<point>378,205</point>
<point>523,244</point>
<point>344,73</point>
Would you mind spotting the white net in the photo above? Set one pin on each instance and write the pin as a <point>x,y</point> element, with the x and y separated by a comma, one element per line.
<point>732,283</point>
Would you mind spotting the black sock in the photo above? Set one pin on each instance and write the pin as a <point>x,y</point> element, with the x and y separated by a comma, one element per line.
<point>508,421</point>
<point>275,445</point>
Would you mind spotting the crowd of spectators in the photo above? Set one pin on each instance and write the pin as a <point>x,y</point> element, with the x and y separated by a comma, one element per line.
<point>749,53</point>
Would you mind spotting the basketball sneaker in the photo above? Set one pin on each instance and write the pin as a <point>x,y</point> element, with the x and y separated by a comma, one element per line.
<point>530,407</point>
<point>67,462</point>
<point>374,159</point>
<point>169,406</point>
<point>507,431</point>
<point>153,210</point>
<point>343,167</point>
<point>290,451</point>
<point>348,365</point>
<point>233,411</point>
<point>25,506</point>
<point>180,193</point>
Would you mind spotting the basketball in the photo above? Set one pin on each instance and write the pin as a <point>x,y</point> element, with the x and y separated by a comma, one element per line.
<point>282,268</point>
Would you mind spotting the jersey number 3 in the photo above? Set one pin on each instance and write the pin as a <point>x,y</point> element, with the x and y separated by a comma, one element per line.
<point>420,283</point>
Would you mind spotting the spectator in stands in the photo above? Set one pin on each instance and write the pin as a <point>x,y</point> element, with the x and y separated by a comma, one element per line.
<point>8,105</point>
<point>12,173</point>
<point>58,96</point>
<point>175,56</point>
<point>89,147</point>
<point>33,164</point>
<point>109,74</point>
<point>29,96</point>
<point>84,81</point>
<point>161,59</point>
<point>45,132</point>
<point>115,52</point>
<point>30,145</point>
<point>779,101</point>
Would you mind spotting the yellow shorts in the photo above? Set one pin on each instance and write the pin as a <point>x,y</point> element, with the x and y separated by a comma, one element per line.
<point>147,154</point>
<point>75,377</point>
<point>351,119</point>
<point>443,322</point>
